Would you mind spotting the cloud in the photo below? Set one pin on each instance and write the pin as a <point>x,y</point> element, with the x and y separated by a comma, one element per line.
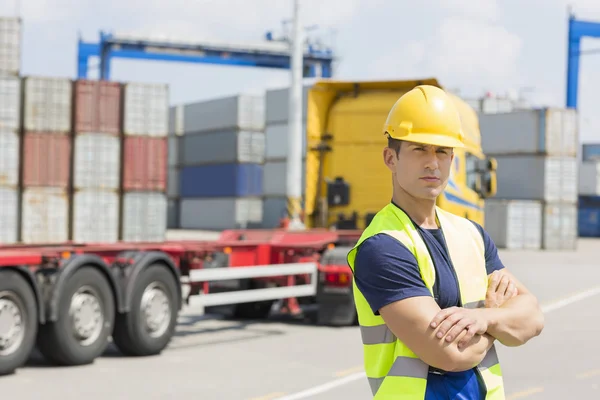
<point>479,9</point>
<point>42,11</point>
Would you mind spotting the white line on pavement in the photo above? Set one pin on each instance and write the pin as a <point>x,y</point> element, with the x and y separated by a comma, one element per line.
<point>571,299</point>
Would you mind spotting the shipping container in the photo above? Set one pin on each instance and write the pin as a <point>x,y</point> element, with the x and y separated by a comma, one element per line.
<point>95,216</point>
<point>9,158</point>
<point>223,147</point>
<point>275,178</point>
<point>47,159</point>
<point>241,112</point>
<point>274,209</point>
<point>97,162</point>
<point>277,140</point>
<point>10,46</point>
<point>144,217</point>
<point>97,107</point>
<point>494,105</point>
<point>145,163</point>
<point>514,224</point>
<point>173,151</point>
<point>590,151</point>
<point>589,178</point>
<point>220,213</point>
<point>535,177</point>
<point>176,120</point>
<point>146,109</point>
<point>560,226</point>
<point>221,180</point>
<point>173,182</point>
<point>10,103</point>
<point>173,214</point>
<point>47,104</point>
<point>552,132</point>
<point>45,215</point>
<point>278,102</point>
<point>589,222</point>
<point>9,215</point>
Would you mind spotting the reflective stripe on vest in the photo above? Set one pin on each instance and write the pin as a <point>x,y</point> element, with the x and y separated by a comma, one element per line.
<point>393,370</point>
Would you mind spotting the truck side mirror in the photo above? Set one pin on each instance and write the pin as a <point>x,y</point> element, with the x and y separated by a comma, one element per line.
<point>487,176</point>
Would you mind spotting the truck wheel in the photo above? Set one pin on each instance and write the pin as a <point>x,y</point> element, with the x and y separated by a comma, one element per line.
<point>86,310</point>
<point>148,327</point>
<point>18,321</point>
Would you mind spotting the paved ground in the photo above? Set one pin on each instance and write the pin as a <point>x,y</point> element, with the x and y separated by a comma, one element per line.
<point>221,359</point>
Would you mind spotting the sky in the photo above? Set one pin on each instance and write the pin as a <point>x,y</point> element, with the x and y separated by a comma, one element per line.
<point>470,46</point>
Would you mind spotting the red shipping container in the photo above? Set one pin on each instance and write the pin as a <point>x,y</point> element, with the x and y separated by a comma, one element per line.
<point>47,159</point>
<point>145,163</point>
<point>97,107</point>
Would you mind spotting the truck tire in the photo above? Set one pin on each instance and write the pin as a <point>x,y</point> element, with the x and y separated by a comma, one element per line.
<point>149,326</point>
<point>18,321</point>
<point>86,317</point>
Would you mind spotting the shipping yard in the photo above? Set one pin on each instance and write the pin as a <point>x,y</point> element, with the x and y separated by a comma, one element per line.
<point>150,248</point>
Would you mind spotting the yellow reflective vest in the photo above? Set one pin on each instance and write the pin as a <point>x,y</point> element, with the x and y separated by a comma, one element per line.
<point>393,370</point>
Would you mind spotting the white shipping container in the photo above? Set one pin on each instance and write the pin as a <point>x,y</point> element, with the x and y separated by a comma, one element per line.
<point>552,132</point>
<point>144,217</point>
<point>589,178</point>
<point>10,46</point>
<point>220,213</point>
<point>277,140</point>
<point>95,216</point>
<point>514,224</point>
<point>535,177</point>
<point>47,104</point>
<point>241,112</point>
<point>277,101</point>
<point>275,178</point>
<point>10,103</point>
<point>560,229</point>
<point>97,161</point>
<point>9,214</point>
<point>223,147</point>
<point>146,109</point>
<point>493,105</point>
<point>45,215</point>
<point>176,120</point>
<point>9,158</point>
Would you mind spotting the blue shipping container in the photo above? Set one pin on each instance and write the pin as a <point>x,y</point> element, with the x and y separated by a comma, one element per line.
<point>589,222</point>
<point>590,151</point>
<point>221,180</point>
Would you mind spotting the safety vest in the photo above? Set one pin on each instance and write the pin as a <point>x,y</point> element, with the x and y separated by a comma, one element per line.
<point>393,370</point>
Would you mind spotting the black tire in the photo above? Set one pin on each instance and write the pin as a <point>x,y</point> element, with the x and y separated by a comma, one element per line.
<point>58,341</point>
<point>15,291</point>
<point>131,334</point>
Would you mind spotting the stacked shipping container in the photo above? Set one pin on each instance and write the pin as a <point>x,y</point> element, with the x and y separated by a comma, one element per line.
<point>536,152</point>
<point>220,155</point>
<point>589,191</point>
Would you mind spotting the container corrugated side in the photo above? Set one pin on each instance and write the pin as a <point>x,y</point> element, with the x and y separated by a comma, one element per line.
<point>47,104</point>
<point>589,178</point>
<point>560,226</point>
<point>241,112</point>
<point>145,163</point>
<point>97,162</point>
<point>223,147</point>
<point>552,132</point>
<point>536,177</point>
<point>10,103</point>
<point>47,159</point>
<point>10,46</point>
<point>277,102</point>
<point>9,215</point>
<point>173,182</point>
<point>173,151</point>
<point>277,140</point>
<point>274,209</point>
<point>220,213</point>
<point>9,158</point>
<point>173,214</point>
<point>146,109</point>
<point>590,151</point>
<point>514,224</point>
<point>275,178</point>
<point>144,217</point>
<point>95,216</point>
<point>589,222</point>
<point>45,215</point>
<point>221,180</point>
<point>176,127</point>
<point>97,107</point>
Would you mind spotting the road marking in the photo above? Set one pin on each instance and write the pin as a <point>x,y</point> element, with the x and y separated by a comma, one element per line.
<point>324,388</point>
<point>589,374</point>
<point>525,393</point>
<point>270,396</point>
<point>557,304</point>
<point>349,371</point>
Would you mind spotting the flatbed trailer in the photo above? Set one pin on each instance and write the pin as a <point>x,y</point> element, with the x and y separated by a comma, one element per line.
<point>69,299</point>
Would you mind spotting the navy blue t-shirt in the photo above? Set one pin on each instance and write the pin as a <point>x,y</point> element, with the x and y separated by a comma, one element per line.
<point>385,271</point>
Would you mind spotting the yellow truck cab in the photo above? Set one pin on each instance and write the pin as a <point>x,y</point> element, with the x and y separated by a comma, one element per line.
<point>346,179</point>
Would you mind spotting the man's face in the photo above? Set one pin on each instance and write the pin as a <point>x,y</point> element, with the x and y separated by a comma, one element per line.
<point>421,170</point>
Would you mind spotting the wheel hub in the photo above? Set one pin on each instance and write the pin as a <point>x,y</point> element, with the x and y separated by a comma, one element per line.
<point>12,330</point>
<point>156,310</point>
<point>86,316</point>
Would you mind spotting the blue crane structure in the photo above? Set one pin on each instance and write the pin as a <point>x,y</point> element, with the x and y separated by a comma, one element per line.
<point>268,54</point>
<point>578,29</point>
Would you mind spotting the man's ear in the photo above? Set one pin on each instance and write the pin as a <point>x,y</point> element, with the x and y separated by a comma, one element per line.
<point>390,158</point>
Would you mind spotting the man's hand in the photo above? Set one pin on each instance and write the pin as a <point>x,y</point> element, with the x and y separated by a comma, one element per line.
<point>500,290</point>
<point>457,321</point>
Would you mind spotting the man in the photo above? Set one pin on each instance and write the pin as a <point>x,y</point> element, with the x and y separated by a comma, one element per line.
<point>431,293</point>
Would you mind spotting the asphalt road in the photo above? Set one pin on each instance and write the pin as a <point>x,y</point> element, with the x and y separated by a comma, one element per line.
<point>217,358</point>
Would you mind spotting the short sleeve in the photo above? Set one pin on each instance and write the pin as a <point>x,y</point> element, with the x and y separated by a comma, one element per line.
<point>385,271</point>
<point>492,259</point>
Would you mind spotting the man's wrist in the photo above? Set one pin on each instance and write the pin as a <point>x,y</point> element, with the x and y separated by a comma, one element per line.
<point>490,316</point>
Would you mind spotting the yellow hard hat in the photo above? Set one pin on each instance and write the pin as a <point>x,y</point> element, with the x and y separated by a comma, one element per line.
<point>425,114</point>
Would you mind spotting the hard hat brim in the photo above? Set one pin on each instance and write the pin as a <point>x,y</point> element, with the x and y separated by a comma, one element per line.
<point>431,139</point>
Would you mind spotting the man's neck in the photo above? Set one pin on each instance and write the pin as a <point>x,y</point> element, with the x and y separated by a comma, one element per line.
<point>422,212</point>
